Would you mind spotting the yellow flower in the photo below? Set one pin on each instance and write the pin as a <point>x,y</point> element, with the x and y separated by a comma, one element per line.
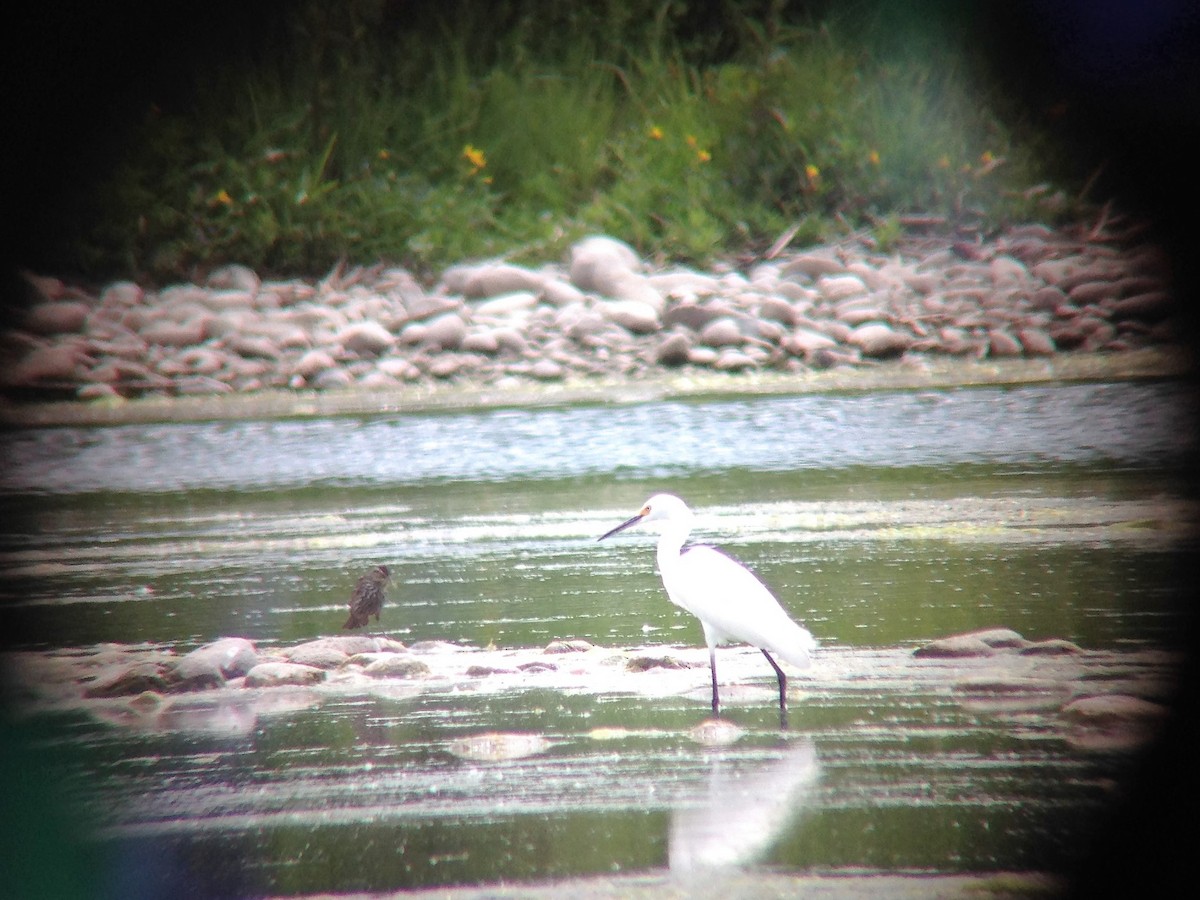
<point>986,157</point>
<point>656,133</point>
<point>703,156</point>
<point>222,197</point>
<point>812,172</point>
<point>873,157</point>
<point>691,140</point>
<point>384,154</point>
<point>475,157</point>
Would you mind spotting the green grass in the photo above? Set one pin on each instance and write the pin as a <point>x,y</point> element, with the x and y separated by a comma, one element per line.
<point>427,146</point>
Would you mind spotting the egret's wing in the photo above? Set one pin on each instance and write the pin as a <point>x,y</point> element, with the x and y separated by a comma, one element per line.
<point>734,604</point>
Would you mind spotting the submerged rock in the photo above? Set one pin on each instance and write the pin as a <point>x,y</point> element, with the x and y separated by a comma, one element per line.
<point>136,678</point>
<point>954,648</point>
<point>1113,721</point>
<point>716,733</point>
<point>499,746</point>
<point>570,646</point>
<point>645,663</point>
<point>275,674</point>
<point>974,643</point>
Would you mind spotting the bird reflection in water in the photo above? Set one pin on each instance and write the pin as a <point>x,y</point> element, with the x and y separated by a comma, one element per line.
<point>741,813</point>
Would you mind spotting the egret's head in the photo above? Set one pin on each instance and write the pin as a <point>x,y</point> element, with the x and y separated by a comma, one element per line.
<point>659,508</point>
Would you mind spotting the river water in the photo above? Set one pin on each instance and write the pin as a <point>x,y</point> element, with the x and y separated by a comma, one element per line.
<point>882,520</point>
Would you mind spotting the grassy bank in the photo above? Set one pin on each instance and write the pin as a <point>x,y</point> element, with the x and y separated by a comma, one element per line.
<point>425,133</point>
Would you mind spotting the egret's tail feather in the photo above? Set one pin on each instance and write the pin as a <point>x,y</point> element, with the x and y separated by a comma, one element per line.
<point>797,647</point>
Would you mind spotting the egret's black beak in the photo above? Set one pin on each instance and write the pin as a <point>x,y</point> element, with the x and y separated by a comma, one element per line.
<point>623,525</point>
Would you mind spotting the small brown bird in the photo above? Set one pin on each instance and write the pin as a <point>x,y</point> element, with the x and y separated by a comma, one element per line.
<point>367,599</point>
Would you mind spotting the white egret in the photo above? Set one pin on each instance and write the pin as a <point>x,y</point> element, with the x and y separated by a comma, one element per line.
<point>730,601</point>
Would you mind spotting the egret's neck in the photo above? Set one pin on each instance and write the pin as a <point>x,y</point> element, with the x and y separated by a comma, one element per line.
<point>670,542</point>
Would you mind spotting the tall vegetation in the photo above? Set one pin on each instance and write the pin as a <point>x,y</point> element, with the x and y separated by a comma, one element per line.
<point>423,133</point>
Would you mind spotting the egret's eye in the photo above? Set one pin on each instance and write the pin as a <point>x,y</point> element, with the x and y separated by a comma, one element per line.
<point>645,510</point>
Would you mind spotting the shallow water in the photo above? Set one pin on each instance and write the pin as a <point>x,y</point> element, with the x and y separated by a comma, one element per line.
<point>882,520</point>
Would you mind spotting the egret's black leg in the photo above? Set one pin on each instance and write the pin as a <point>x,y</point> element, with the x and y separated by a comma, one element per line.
<point>782,689</point>
<point>712,665</point>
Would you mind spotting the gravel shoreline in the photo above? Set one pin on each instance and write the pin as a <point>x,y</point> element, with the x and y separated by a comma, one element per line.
<point>1031,304</point>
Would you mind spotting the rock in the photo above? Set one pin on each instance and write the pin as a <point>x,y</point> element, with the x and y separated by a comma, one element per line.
<point>570,646</point>
<point>447,365</point>
<point>1054,647</point>
<point>332,379</point>
<point>278,674</point>
<point>353,644</point>
<point>636,316</point>
<point>1005,269</point>
<point>538,667</point>
<point>560,293</point>
<point>645,663</point>
<point>803,342</point>
<point>121,295</point>
<point>253,346</point>
<point>1113,722</point>
<point>485,671</point>
<point>777,309</point>
<point>196,673</point>
<point>1003,344</point>
<point>879,341</point>
<point>505,305</point>
<point>859,311</point>
<point>716,733</point>
<point>547,370</point>
<point>481,342</point>
<point>812,265</point>
<point>598,263</point>
<point>1091,292</point>
<point>954,648</point>
<point>694,315</point>
<point>376,380</point>
<point>132,679</point>
<point>511,341</point>
<point>1150,307</point>
<point>1000,638</point>
<point>60,362</point>
<point>98,393</point>
<point>446,332</point>
<point>684,284</point>
<point>497,747</point>
<point>175,334</point>
<point>1048,299</point>
<point>841,287</point>
<point>397,665</point>
<point>491,280</point>
<point>57,317</point>
<point>366,339</point>
<point>1113,710</point>
<point>673,351</point>
<point>723,332</point>
<point>313,362</point>
<point>233,656</point>
<point>318,654</point>
<point>734,360</point>
<point>234,277</point>
<point>1035,341</point>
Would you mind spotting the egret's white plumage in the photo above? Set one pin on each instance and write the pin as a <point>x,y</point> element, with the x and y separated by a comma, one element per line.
<point>731,603</point>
